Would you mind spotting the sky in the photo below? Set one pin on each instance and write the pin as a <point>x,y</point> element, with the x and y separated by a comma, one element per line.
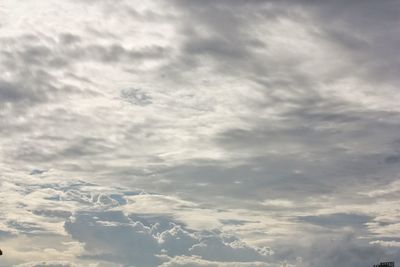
<point>222,133</point>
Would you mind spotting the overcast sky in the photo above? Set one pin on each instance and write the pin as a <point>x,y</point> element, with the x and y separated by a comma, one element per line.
<point>223,133</point>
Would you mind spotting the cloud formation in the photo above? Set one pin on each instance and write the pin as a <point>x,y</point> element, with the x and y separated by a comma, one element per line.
<point>199,133</point>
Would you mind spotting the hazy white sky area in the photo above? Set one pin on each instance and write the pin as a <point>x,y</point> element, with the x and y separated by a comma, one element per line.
<point>222,133</point>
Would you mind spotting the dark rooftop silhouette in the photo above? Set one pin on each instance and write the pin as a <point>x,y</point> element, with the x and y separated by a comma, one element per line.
<point>385,264</point>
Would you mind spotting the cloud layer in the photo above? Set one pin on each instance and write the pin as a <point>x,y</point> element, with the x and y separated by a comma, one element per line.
<point>199,133</point>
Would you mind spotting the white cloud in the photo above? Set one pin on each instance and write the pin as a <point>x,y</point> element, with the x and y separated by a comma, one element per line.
<point>198,262</point>
<point>386,243</point>
<point>283,203</point>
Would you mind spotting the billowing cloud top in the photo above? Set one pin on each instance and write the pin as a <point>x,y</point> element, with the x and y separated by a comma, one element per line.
<point>199,133</point>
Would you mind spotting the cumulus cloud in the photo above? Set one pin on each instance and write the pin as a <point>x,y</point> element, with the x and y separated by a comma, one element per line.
<point>95,217</point>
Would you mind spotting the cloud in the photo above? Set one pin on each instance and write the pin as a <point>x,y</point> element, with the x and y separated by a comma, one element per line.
<point>195,261</point>
<point>37,172</point>
<point>112,236</point>
<point>337,220</point>
<point>209,133</point>
<point>385,190</point>
<point>47,264</point>
<point>345,251</point>
<point>136,97</point>
<point>115,241</point>
<point>386,243</point>
<point>12,93</point>
<point>95,217</point>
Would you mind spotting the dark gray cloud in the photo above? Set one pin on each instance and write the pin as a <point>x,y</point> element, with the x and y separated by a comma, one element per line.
<point>337,220</point>
<point>345,251</point>
<point>68,49</point>
<point>392,159</point>
<point>370,26</point>
<point>362,30</point>
<point>13,93</point>
<point>37,172</point>
<point>136,97</point>
<point>19,95</point>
